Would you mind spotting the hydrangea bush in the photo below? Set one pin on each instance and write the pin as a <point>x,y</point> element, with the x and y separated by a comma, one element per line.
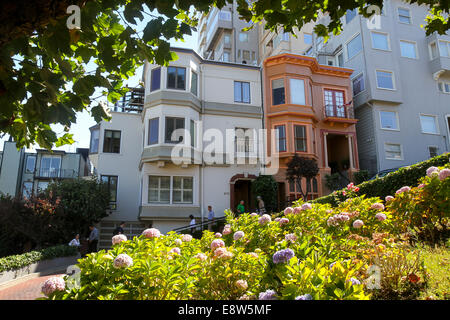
<point>309,251</point>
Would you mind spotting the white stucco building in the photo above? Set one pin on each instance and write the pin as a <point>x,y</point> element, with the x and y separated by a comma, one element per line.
<point>134,152</point>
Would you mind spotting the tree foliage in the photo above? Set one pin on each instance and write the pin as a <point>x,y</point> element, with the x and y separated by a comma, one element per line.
<point>299,168</point>
<point>43,78</point>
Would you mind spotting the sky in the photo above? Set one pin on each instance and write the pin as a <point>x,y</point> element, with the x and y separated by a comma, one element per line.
<point>80,129</point>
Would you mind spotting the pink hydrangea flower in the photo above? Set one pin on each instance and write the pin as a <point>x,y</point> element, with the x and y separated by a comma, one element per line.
<point>53,284</point>
<point>358,224</point>
<point>277,219</point>
<point>290,237</point>
<point>420,186</point>
<point>377,206</point>
<point>122,261</point>
<point>219,252</point>
<point>380,216</point>
<point>227,255</point>
<point>253,214</point>
<point>119,238</point>
<point>175,250</point>
<point>238,235</point>
<point>432,171</point>
<point>218,235</point>
<point>217,243</point>
<point>226,231</point>
<point>306,206</point>
<point>403,189</point>
<point>253,254</point>
<point>151,233</point>
<point>186,238</point>
<point>265,218</point>
<point>388,198</point>
<point>297,210</point>
<point>444,173</point>
<point>241,284</point>
<point>288,210</point>
<point>178,242</point>
<point>283,221</point>
<point>201,256</point>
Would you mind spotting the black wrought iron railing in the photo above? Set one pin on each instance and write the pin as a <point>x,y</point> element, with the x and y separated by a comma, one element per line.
<point>132,101</point>
<point>54,173</point>
<point>196,230</point>
<point>335,111</point>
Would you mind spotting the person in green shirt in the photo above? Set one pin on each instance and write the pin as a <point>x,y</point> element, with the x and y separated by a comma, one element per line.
<point>240,208</point>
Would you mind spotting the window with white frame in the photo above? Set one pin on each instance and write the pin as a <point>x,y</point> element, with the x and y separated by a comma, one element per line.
<point>227,39</point>
<point>429,124</point>
<point>173,124</point>
<point>433,51</point>
<point>340,59</point>
<point>153,131</point>
<point>444,48</point>
<point>444,87</point>
<point>354,47</point>
<point>433,151</point>
<point>159,189</point>
<point>404,15</point>
<point>30,164</point>
<point>182,191</point>
<point>358,84</point>
<point>380,40</point>
<point>111,141</point>
<point>155,83</point>
<point>50,166</point>
<point>385,79</point>
<point>225,15</point>
<point>393,151</point>
<point>408,49</point>
<point>176,78</point>
<point>194,83</point>
<point>226,56</point>
<point>389,120</point>
<point>94,140</point>
<point>242,91</point>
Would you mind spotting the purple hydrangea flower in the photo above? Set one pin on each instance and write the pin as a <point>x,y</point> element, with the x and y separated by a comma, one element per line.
<point>283,256</point>
<point>268,295</point>
<point>304,297</point>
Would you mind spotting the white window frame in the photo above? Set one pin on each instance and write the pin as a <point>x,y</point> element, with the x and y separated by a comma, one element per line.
<point>430,52</point>
<point>436,122</point>
<point>444,83</point>
<point>26,163</point>
<point>433,146</point>
<point>396,120</point>
<point>416,49</point>
<point>159,190</point>
<point>401,151</point>
<point>350,40</point>
<point>439,48</point>
<point>393,80</point>
<point>246,34</point>
<point>388,38</point>
<point>410,16</point>
<point>171,190</point>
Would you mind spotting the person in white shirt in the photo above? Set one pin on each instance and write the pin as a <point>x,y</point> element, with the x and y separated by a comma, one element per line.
<point>192,223</point>
<point>75,241</point>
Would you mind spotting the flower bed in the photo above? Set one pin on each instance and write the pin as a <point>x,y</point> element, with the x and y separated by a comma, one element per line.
<point>357,250</point>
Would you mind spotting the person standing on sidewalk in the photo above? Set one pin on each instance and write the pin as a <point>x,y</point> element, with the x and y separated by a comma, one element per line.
<point>261,206</point>
<point>210,217</point>
<point>93,239</point>
<point>119,229</point>
<point>240,208</point>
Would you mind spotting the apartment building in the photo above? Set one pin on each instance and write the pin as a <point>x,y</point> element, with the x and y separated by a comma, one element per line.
<point>25,173</point>
<point>155,156</point>
<point>309,105</point>
<point>221,37</point>
<point>401,84</point>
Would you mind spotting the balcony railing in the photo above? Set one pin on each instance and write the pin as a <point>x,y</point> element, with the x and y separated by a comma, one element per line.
<point>132,101</point>
<point>54,173</point>
<point>342,111</point>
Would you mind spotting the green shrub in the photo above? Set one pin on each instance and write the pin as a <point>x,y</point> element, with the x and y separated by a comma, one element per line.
<point>389,184</point>
<point>22,260</point>
<point>361,176</point>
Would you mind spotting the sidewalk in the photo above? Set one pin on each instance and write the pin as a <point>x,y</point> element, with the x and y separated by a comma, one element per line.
<point>25,290</point>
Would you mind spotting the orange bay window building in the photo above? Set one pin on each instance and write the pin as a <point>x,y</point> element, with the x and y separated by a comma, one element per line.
<point>310,106</point>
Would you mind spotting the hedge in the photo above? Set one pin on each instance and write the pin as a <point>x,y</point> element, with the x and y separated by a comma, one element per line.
<point>387,185</point>
<point>22,260</point>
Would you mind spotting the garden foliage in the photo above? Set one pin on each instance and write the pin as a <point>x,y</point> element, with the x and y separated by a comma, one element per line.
<point>358,250</point>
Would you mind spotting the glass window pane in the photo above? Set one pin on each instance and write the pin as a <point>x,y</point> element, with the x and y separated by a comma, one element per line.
<point>380,41</point>
<point>388,120</point>
<point>31,164</point>
<point>297,91</point>
<point>153,182</point>
<point>358,84</point>
<point>164,196</point>
<point>246,92</point>
<point>384,80</point>
<point>354,46</point>
<point>307,38</point>
<point>404,15</point>
<point>278,94</point>
<point>177,182</point>
<point>187,183</point>
<point>156,79</point>
<point>165,182</point>
<point>171,77</point>
<point>428,124</point>
<point>444,48</point>
<point>408,49</point>
<point>153,131</point>
<point>237,91</point>
<point>194,82</point>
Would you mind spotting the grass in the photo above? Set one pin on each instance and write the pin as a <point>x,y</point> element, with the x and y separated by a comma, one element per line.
<point>437,264</point>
